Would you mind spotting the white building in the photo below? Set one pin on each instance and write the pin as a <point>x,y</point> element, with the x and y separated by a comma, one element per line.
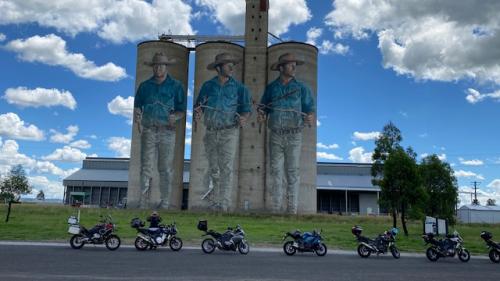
<point>478,214</point>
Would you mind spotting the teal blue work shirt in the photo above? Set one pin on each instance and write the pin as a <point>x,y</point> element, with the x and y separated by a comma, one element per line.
<point>222,103</point>
<point>286,105</point>
<point>158,101</point>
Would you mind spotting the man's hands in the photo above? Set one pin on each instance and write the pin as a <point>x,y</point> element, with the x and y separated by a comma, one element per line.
<point>261,115</point>
<point>197,113</point>
<point>309,119</point>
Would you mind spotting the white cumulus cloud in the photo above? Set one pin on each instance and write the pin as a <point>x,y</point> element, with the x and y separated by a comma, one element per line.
<point>122,106</point>
<point>327,146</point>
<point>427,40</point>
<point>51,189</point>
<point>474,96</point>
<point>58,137</point>
<point>468,174</point>
<point>66,154</point>
<point>473,162</point>
<point>13,127</point>
<point>114,21</point>
<point>81,144</point>
<point>120,145</point>
<point>358,155</point>
<point>51,50</point>
<point>38,97</point>
<point>495,185</point>
<point>328,156</point>
<point>2,37</point>
<point>365,136</point>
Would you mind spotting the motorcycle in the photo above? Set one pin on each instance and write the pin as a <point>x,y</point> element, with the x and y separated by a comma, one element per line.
<point>158,237</point>
<point>379,245</point>
<point>103,232</point>
<point>494,247</point>
<point>307,242</point>
<point>448,247</point>
<point>230,240</point>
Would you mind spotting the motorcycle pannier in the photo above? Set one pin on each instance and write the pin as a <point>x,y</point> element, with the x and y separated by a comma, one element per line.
<point>203,225</point>
<point>486,235</point>
<point>74,229</point>
<point>356,230</point>
<point>136,223</point>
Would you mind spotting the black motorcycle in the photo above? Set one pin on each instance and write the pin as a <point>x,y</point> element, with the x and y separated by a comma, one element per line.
<point>492,245</point>
<point>379,245</point>
<point>99,234</point>
<point>151,238</point>
<point>306,242</point>
<point>230,240</point>
<point>448,247</point>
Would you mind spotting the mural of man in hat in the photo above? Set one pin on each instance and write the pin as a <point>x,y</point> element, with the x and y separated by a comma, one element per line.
<point>286,104</point>
<point>159,103</point>
<point>225,104</point>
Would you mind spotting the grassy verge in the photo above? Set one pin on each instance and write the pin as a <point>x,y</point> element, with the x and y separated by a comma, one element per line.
<point>34,222</point>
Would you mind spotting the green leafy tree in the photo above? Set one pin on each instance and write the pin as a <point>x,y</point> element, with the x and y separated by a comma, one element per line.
<point>441,187</point>
<point>40,196</point>
<point>491,202</point>
<point>13,186</point>
<point>402,181</point>
<point>388,141</point>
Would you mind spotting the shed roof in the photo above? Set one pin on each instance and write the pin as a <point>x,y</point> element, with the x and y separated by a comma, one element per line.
<point>479,208</point>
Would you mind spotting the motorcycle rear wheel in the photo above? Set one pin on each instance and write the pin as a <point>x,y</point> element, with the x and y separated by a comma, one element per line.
<point>175,244</point>
<point>141,244</point>
<point>321,250</point>
<point>208,246</point>
<point>113,242</point>
<point>243,247</point>
<point>432,254</point>
<point>395,252</point>
<point>76,241</point>
<point>464,255</point>
<point>363,251</point>
<point>289,249</point>
<point>494,256</point>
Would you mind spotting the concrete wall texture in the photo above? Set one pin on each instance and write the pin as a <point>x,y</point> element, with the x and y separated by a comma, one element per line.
<point>179,71</point>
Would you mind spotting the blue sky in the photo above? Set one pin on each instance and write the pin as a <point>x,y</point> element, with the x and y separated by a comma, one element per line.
<point>67,77</point>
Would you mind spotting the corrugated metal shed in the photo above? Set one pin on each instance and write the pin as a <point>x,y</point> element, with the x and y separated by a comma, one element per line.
<point>479,214</point>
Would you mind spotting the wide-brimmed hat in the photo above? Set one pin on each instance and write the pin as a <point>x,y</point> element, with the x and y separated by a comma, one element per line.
<point>286,58</point>
<point>160,58</point>
<point>221,59</point>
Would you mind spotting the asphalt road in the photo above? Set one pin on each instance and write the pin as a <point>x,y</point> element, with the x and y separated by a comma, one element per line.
<point>51,262</point>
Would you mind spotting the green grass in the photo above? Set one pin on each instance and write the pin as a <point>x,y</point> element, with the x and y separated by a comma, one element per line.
<point>34,222</point>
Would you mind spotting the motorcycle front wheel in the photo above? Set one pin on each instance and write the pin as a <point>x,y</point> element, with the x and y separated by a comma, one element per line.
<point>112,242</point>
<point>321,250</point>
<point>494,256</point>
<point>175,244</point>
<point>363,251</point>
<point>464,255</point>
<point>76,241</point>
<point>208,246</point>
<point>141,244</point>
<point>395,252</point>
<point>243,247</point>
<point>289,249</point>
<point>432,254</point>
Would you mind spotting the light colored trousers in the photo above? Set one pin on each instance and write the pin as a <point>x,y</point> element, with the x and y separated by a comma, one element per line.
<point>284,153</point>
<point>220,146</point>
<point>157,144</point>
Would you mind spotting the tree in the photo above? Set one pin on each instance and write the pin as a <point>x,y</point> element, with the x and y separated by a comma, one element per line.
<point>441,187</point>
<point>401,182</point>
<point>491,202</point>
<point>40,196</point>
<point>13,186</point>
<point>387,142</point>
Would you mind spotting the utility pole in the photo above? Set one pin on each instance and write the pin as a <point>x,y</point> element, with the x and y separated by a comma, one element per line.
<point>475,192</point>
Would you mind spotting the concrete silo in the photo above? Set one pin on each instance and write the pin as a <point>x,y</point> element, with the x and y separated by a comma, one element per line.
<point>199,183</point>
<point>306,73</point>
<point>178,71</point>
